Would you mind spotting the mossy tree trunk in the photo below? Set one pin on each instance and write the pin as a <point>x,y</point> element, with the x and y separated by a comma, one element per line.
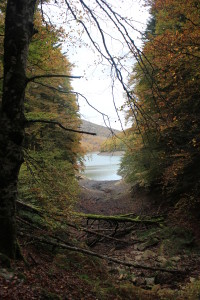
<point>18,31</point>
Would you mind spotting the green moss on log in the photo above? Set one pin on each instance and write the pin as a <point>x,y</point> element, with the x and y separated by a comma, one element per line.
<point>121,218</point>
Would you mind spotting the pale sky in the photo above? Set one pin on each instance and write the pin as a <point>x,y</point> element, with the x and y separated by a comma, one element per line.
<point>96,84</point>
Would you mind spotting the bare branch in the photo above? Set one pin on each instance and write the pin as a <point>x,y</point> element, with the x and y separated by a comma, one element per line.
<point>52,76</point>
<point>43,18</point>
<point>108,236</point>
<point>114,103</point>
<point>60,125</point>
<point>105,117</point>
<point>97,47</point>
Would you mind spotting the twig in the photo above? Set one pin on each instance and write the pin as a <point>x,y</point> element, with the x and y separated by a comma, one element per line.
<point>60,125</point>
<point>104,116</point>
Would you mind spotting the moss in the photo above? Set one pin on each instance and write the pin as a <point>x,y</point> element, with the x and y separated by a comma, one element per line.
<point>129,292</point>
<point>121,218</point>
<point>191,291</point>
<point>175,240</point>
<point>33,217</point>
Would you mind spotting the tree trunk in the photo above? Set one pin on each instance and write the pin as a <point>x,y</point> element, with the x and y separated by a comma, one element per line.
<point>18,31</point>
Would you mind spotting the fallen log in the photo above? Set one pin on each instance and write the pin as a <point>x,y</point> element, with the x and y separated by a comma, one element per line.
<point>91,253</point>
<point>29,223</point>
<point>28,207</point>
<point>133,214</point>
<point>122,219</point>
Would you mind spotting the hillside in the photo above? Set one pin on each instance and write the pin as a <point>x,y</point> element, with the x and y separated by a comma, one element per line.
<point>98,129</point>
<point>93,143</point>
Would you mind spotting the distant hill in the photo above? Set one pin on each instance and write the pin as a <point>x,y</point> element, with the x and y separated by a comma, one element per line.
<point>98,129</point>
<point>93,143</point>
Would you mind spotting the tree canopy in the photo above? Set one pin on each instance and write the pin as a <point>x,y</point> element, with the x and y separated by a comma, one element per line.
<point>165,130</point>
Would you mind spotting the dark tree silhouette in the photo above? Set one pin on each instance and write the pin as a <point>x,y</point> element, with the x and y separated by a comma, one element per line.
<point>19,29</point>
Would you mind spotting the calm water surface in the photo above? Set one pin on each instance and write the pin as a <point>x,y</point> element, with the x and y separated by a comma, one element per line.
<point>102,167</point>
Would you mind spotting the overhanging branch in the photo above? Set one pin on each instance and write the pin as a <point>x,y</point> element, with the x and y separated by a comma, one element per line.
<point>104,116</point>
<point>60,125</point>
<point>51,76</point>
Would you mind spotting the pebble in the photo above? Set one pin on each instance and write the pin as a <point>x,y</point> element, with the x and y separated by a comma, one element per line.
<point>162,260</point>
<point>175,258</point>
<point>150,280</point>
<point>138,281</point>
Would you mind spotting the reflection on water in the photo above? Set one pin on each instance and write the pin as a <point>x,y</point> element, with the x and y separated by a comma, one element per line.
<point>102,167</point>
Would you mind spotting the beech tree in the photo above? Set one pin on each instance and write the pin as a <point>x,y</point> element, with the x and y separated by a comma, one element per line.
<point>47,177</point>
<point>19,29</point>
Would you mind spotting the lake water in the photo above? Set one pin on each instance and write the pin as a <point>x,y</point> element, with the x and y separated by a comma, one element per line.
<point>102,167</point>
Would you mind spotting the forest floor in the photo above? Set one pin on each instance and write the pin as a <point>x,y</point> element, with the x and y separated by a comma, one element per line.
<point>170,245</point>
<point>163,257</point>
<point>113,198</point>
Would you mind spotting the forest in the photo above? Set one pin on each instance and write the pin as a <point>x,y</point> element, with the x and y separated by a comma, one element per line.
<point>63,236</point>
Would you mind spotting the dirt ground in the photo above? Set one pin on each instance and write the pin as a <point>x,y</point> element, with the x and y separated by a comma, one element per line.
<point>162,246</point>
<point>114,198</point>
<point>166,257</point>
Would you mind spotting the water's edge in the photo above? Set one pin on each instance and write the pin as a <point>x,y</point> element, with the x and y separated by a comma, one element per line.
<point>102,166</point>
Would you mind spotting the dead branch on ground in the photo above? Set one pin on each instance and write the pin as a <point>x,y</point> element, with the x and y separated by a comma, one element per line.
<point>122,219</point>
<point>91,253</point>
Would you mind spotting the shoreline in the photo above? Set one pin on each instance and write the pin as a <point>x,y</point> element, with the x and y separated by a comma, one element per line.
<point>106,153</point>
<point>113,153</point>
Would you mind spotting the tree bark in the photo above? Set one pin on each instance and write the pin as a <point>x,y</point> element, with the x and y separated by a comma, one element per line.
<point>18,32</point>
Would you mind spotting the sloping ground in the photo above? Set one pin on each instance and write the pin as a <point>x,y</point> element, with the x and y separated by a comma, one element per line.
<point>166,246</point>
<point>102,131</point>
<point>112,198</point>
<point>141,260</point>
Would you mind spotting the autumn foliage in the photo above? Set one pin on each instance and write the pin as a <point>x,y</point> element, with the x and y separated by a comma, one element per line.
<point>47,177</point>
<point>165,81</point>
